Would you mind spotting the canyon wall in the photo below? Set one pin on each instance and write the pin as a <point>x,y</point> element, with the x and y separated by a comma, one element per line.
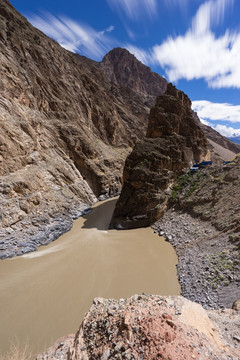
<point>67,125</point>
<point>66,129</point>
<point>173,143</point>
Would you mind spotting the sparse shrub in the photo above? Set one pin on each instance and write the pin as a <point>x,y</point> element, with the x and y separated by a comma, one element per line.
<point>186,183</point>
<point>219,264</point>
<point>17,353</point>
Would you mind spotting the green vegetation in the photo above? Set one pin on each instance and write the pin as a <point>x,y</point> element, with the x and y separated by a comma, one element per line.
<point>194,184</point>
<point>180,184</point>
<point>220,269</point>
<point>187,182</point>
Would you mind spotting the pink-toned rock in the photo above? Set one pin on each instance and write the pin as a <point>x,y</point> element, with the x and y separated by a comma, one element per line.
<point>150,327</point>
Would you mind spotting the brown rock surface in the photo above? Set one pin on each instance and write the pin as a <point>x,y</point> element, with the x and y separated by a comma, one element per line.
<point>221,148</point>
<point>203,225</point>
<point>151,327</point>
<point>66,130</point>
<point>174,141</point>
<point>67,126</point>
<point>121,68</point>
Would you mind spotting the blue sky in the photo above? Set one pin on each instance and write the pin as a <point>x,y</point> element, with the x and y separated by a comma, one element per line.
<point>193,43</point>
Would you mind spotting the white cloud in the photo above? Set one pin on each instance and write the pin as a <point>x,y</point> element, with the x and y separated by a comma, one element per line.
<point>205,122</point>
<point>75,36</point>
<point>182,3</point>
<point>208,110</point>
<point>135,8</point>
<point>209,14</point>
<point>227,131</point>
<point>130,33</point>
<point>142,55</point>
<point>199,53</point>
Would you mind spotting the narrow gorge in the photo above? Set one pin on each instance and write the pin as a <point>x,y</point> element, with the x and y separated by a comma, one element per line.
<point>75,134</point>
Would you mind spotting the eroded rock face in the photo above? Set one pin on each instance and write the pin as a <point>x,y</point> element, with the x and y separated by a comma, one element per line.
<point>66,130</point>
<point>174,141</point>
<point>151,327</point>
<point>123,69</point>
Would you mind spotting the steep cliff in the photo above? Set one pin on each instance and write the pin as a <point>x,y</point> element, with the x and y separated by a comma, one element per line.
<point>66,130</point>
<point>173,142</point>
<point>121,68</point>
<point>67,126</point>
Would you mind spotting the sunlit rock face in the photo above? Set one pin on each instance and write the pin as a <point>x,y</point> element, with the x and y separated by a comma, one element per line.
<point>66,130</point>
<point>173,142</point>
<point>150,327</point>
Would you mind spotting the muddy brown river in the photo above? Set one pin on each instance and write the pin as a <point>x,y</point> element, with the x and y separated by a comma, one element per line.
<point>44,295</point>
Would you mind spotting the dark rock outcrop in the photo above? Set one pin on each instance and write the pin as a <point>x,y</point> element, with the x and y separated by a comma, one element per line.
<point>174,141</point>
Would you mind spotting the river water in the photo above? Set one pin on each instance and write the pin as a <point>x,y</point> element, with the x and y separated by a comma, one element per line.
<point>44,295</point>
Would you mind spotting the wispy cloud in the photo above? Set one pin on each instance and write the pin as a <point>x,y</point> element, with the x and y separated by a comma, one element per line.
<point>208,110</point>
<point>134,9</point>
<point>210,13</point>
<point>212,113</point>
<point>73,36</point>
<point>142,55</point>
<point>199,53</point>
<point>227,131</point>
<point>181,3</point>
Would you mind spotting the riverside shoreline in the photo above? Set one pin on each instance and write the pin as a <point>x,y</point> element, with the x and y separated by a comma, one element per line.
<point>31,233</point>
<point>208,263</point>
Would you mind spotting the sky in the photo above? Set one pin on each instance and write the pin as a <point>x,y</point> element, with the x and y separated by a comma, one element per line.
<point>195,44</point>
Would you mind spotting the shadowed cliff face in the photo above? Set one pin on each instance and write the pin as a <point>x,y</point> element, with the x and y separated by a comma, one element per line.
<point>66,129</point>
<point>174,141</point>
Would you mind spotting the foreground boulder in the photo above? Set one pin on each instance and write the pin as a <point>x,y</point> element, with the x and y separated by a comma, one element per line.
<point>173,143</point>
<point>151,327</point>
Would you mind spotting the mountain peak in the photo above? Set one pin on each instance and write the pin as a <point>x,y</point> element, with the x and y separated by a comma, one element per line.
<point>124,69</point>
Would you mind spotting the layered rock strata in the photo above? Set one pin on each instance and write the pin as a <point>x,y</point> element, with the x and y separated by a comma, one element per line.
<point>67,126</point>
<point>66,129</point>
<point>151,327</point>
<point>173,142</point>
<point>123,69</point>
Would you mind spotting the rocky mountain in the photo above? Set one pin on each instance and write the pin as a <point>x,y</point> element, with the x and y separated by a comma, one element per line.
<point>67,126</point>
<point>123,69</point>
<point>173,142</point>
<point>235,139</point>
<point>151,327</point>
<point>221,148</point>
